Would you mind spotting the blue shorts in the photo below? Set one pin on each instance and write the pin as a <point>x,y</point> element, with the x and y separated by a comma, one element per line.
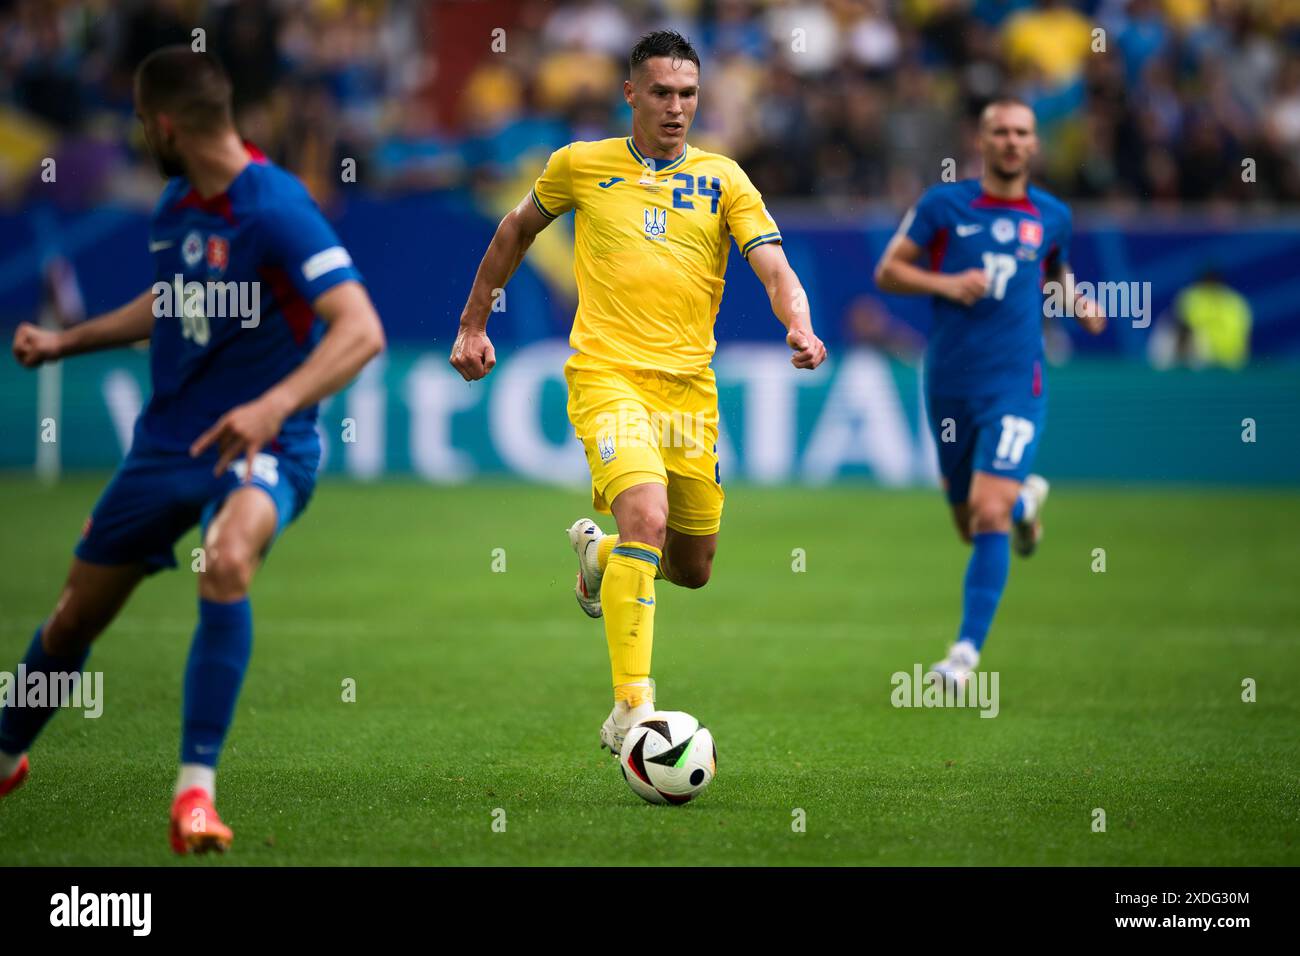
<point>155,497</point>
<point>997,434</point>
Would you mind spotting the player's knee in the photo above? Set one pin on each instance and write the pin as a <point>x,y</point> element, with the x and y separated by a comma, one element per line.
<point>647,524</point>
<point>989,514</point>
<point>70,629</point>
<point>694,574</point>
<point>228,572</point>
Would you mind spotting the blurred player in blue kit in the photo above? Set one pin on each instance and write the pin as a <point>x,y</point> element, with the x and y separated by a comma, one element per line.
<point>228,440</point>
<point>982,249</point>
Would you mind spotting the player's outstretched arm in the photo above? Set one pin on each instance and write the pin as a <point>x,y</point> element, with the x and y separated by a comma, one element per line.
<point>472,354</point>
<point>897,272</point>
<point>129,323</point>
<point>353,336</point>
<point>789,303</point>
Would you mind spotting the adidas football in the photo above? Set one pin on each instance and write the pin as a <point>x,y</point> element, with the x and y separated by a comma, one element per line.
<point>668,757</point>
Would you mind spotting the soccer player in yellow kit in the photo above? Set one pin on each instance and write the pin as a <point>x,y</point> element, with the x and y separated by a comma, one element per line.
<point>654,220</point>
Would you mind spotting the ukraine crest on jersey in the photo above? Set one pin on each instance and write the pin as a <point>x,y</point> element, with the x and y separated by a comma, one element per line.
<point>651,240</point>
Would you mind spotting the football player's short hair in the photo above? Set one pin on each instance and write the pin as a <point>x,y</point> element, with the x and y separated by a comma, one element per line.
<point>1004,100</point>
<point>667,43</point>
<point>193,87</point>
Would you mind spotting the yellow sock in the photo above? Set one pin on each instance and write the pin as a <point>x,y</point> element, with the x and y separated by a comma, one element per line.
<point>603,547</point>
<point>606,545</point>
<point>634,694</point>
<point>627,596</point>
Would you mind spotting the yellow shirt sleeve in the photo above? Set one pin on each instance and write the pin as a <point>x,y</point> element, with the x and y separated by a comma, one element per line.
<point>747,218</point>
<point>553,191</point>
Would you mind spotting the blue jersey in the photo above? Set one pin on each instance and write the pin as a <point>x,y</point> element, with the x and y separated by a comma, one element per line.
<point>236,277</point>
<point>996,345</point>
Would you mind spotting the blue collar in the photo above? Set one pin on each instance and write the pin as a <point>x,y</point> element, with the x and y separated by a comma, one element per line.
<point>657,165</point>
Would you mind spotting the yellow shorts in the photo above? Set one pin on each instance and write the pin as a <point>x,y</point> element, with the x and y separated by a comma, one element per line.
<point>638,426</point>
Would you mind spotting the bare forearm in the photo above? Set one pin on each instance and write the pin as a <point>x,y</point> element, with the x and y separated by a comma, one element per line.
<point>504,253</point>
<point>903,278</point>
<point>789,301</point>
<point>351,341</point>
<point>129,323</point>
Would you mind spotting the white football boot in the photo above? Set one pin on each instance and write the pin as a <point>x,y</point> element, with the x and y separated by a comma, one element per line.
<point>585,537</point>
<point>955,670</point>
<point>1028,531</point>
<point>622,719</point>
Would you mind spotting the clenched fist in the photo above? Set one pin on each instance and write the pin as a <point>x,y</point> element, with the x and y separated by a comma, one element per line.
<point>472,355</point>
<point>34,345</point>
<point>1089,314</point>
<point>967,287</point>
<point>809,352</point>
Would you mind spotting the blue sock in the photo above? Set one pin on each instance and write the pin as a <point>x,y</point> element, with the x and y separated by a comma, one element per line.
<point>986,576</point>
<point>1018,509</point>
<point>19,726</point>
<point>223,643</point>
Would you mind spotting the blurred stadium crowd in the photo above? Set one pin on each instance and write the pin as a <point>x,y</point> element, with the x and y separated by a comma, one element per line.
<point>844,100</point>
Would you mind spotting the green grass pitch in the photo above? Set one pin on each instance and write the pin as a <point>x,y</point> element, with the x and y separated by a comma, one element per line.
<point>478,690</point>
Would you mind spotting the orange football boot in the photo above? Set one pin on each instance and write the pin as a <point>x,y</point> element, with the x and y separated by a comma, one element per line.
<point>15,779</point>
<point>195,826</point>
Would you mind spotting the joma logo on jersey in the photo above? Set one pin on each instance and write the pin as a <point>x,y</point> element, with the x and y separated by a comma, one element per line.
<point>656,224</point>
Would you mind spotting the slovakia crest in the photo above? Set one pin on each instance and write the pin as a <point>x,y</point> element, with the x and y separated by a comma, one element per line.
<point>1031,233</point>
<point>218,253</point>
<point>656,224</point>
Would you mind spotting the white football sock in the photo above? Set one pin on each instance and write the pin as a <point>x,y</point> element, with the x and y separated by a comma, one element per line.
<point>197,775</point>
<point>9,764</point>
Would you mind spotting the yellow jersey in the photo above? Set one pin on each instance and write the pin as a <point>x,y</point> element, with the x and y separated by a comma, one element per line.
<point>651,239</point>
